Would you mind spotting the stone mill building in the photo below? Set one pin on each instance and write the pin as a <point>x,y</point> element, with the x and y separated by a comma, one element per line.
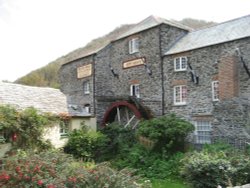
<point>159,67</point>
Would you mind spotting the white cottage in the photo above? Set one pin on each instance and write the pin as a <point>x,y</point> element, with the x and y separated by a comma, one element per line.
<point>47,100</point>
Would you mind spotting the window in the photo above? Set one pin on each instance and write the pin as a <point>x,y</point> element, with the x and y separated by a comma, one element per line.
<point>180,64</point>
<point>64,128</point>
<point>202,132</point>
<point>87,108</point>
<point>134,45</point>
<point>215,90</point>
<point>135,90</point>
<point>180,95</point>
<point>86,87</point>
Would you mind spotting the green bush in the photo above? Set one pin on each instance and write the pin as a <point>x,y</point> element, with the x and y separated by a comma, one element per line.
<point>86,144</point>
<point>217,164</point>
<point>149,163</point>
<point>207,171</point>
<point>168,132</point>
<point>28,125</point>
<point>58,170</point>
<point>120,140</point>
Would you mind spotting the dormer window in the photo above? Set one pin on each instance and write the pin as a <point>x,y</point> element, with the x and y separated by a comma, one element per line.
<point>134,45</point>
<point>180,64</point>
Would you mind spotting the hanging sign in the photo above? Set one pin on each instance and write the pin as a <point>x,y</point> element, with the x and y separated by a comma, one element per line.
<point>84,71</point>
<point>133,63</point>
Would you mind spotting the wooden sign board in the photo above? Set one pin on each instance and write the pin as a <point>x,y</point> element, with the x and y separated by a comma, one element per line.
<point>84,71</point>
<point>133,63</point>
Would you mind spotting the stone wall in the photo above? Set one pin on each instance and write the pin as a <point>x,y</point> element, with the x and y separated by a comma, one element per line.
<point>230,115</point>
<point>117,53</point>
<point>72,86</point>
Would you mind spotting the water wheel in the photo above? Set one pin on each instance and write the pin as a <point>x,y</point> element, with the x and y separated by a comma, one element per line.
<point>123,113</point>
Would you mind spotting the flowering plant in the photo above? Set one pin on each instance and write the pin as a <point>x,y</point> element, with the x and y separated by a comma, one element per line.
<point>58,170</point>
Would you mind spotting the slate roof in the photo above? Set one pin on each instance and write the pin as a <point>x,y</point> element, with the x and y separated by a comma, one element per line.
<point>150,22</point>
<point>223,32</point>
<point>44,99</point>
<point>145,24</point>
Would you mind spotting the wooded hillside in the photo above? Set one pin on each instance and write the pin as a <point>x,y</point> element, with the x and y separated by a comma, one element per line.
<point>47,76</point>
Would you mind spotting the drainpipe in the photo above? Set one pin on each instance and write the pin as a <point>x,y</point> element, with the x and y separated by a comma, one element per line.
<point>162,73</point>
<point>94,68</point>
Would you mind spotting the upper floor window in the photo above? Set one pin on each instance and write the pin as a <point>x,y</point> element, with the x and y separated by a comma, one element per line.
<point>135,90</point>
<point>180,64</point>
<point>134,45</point>
<point>180,95</point>
<point>215,90</point>
<point>86,87</point>
<point>202,132</point>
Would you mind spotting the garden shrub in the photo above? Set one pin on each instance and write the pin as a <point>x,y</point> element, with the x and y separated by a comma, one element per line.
<point>28,125</point>
<point>58,170</point>
<point>120,139</point>
<point>212,167</point>
<point>86,144</point>
<point>148,163</point>
<point>168,132</point>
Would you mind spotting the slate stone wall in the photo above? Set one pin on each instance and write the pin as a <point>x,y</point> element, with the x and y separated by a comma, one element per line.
<point>114,55</point>
<point>72,86</point>
<point>230,116</point>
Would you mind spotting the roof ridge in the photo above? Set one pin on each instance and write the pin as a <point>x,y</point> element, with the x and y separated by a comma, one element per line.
<point>27,86</point>
<point>221,23</point>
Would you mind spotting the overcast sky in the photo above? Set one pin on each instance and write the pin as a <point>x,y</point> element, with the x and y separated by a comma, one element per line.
<point>36,32</point>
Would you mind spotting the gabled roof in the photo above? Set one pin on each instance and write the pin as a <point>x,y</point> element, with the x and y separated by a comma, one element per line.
<point>145,24</point>
<point>223,32</point>
<point>43,99</point>
<point>150,22</point>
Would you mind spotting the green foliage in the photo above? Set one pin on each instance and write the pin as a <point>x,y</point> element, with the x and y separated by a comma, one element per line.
<point>54,169</point>
<point>168,132</point>
<point>149,163</point>
<point>158,183</point>
<point>86,144</point>
<point>209,171</point>
<point>120,139</point>
<point>45,76</point>
<point>28,125</point>
<point>217,164</point>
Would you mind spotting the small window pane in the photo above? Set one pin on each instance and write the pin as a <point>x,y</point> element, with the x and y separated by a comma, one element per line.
<point>180,64</point>
<point>135,90</point>
<point>202,132</point>
<point>134,45</point>
<point>86,87</point>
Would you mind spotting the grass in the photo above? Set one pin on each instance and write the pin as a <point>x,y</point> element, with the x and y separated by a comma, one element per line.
<point>168,184</point>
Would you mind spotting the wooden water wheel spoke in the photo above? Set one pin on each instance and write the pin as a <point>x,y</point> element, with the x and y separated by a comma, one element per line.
<point>131,119</point>
<point>124,113</point>
<point>135,125</point>
<point>118,114</point>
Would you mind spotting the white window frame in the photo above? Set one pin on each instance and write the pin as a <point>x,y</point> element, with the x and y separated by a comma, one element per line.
<point>179,99</point>
<point>134,45</point>
<point>87,108</point>
<point>135,90</point>
<point>202,133</point>
<point>86,87</point>
<point>64,128</point>
<point>180,64</point>
<point>215,90</point>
